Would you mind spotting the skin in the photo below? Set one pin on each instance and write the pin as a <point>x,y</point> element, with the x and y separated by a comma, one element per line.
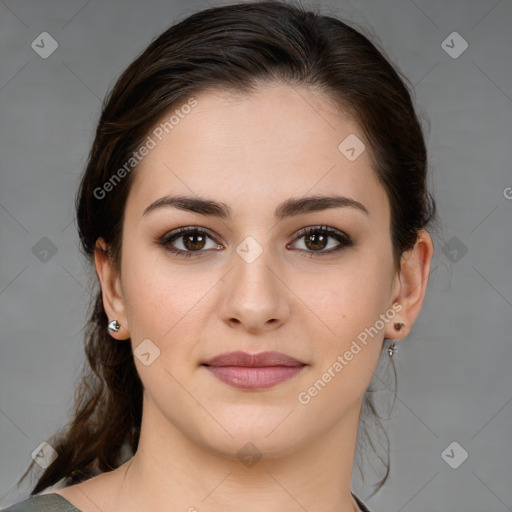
<point>252,153</point>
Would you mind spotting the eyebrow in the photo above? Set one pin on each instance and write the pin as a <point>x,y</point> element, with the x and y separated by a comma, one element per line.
<point>288,208</point>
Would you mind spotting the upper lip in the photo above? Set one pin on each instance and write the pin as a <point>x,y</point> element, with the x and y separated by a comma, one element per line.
<point>261,360</point>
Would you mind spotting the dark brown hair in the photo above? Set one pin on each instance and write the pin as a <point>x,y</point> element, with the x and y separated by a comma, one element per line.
<point>233,47</point>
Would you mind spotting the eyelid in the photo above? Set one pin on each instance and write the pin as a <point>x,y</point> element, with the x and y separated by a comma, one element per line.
<point>184,230</point>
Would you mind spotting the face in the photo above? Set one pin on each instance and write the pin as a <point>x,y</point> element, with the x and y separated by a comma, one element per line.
<point>254,281</point>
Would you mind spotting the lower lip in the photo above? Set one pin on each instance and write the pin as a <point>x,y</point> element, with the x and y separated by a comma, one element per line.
<point>254,378</point>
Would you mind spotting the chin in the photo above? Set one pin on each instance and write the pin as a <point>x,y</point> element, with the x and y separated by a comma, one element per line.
<point>249,448</point>
<point>267,435</point>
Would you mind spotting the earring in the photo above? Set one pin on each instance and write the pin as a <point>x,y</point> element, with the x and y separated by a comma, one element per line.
<point>114,326</point>
<point>398,326</point>
<point>392,349</point>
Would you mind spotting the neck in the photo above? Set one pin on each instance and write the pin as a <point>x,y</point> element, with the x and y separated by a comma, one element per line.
<point>172,471</point>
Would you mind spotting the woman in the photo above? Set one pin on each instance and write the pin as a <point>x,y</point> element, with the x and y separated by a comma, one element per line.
<point>256,209</point>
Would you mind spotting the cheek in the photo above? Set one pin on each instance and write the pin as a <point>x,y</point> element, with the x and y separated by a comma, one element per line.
<point>164,302</point>
<point>347,304</point>
<point>348,350</point>
<point>153,295</point>
<point>354,293</point>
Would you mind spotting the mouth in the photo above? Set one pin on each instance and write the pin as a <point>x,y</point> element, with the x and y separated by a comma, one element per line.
<point>253,371</point>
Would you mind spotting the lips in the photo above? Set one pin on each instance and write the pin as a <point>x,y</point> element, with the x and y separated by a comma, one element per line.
<point>253,371</point>
<point>261,360</point>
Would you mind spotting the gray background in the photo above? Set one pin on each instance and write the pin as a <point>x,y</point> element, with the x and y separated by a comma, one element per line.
<point>454,378</point>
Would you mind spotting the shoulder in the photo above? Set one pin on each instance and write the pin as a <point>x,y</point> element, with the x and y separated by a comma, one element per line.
<point>42,503</point>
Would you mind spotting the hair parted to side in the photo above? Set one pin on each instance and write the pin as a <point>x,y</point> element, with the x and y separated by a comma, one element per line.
<point>233,47</point>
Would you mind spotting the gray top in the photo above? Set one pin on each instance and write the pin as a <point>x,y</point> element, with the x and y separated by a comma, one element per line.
<point>53,502</point>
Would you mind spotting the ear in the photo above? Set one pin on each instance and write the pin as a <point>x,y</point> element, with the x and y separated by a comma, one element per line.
<point>111,290</point>
<point>411,284</point>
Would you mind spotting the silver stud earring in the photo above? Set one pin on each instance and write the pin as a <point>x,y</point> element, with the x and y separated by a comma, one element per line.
<point>114,326</point>
<point>392,349</point>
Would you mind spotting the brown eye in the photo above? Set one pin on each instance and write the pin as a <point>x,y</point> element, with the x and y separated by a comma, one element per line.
<point>194,241</point>
<point>317,239</point>
<point>187,241</point>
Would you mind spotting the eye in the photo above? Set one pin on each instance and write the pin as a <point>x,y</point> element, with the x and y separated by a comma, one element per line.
<point>190,240</point>
<point>193,241</point>
<point>317,238</point>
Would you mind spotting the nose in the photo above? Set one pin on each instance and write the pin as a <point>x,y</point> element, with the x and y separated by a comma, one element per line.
<point>254,297</point>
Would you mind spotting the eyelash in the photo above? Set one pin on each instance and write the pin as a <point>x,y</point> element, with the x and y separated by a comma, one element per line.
<point>345,240</point>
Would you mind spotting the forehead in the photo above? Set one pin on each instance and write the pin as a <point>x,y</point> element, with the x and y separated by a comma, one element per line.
<point>249,149</point>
